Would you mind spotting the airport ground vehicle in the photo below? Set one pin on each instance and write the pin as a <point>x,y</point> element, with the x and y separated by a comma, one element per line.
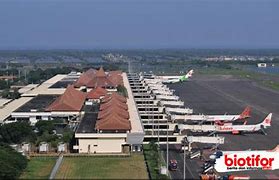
<point>173,165</point>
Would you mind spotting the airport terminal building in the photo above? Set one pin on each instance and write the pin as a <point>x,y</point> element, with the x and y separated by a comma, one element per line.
<point>104,121</point>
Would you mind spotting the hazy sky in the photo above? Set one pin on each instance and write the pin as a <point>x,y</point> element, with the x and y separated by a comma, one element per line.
<point>43,24</point>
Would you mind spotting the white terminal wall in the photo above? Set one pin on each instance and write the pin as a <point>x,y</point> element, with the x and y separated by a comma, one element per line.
<point>109,145</point>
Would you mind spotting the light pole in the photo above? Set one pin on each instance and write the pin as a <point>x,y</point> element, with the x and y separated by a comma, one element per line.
<point>158,136</point>
<point>167,144</point>
<point>184,163</point>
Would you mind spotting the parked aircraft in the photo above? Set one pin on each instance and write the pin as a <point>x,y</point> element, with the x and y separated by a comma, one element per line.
<point>218,119</point>
<point>229,127</point>
<point>175,79</point>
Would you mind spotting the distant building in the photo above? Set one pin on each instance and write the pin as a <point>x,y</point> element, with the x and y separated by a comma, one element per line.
<point>6,78</point>
<point>261,65</point>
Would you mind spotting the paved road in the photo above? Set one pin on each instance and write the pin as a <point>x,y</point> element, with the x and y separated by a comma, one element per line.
<point>192,166</point>
<point>56,167</point>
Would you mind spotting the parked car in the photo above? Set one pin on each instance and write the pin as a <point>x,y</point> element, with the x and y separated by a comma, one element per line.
<point>173,165</point>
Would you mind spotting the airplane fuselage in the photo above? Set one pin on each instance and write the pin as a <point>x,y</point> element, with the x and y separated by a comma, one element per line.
<point>221,128</point>
<point>207,118</point>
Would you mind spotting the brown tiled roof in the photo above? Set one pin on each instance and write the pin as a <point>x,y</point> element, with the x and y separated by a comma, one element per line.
<point>115,110</point>
<point>94,79</point>
<point>113,114</point>
<point>100,81</point>
<point>116,77</point>
<point>96,93</point>
<point>71,100</point>
<point>85,78</point>
<point>113,103</point>
<point>113,123</point>
<point>101,73</point>
<point>114,95</point>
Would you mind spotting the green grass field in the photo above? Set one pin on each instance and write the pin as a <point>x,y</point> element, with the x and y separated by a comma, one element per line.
<point>38,168</point>
<point>261,79</point>
<point>103,168</point>
<point>152,160</point>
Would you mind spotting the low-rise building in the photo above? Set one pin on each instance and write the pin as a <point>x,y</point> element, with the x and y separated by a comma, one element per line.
<point>44,147</point>
<point>62,147</point>
<point>260,65</point>
<point>113,126</point>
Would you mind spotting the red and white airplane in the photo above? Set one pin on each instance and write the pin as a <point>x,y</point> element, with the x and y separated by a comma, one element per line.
<point>245,114</point>
<point>218,119</point>
<point>229,128</point>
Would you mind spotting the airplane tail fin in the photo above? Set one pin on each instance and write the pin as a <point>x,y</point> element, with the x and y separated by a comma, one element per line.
<point>189,74</point>
<point>267,121</point>
<point>246,113</point>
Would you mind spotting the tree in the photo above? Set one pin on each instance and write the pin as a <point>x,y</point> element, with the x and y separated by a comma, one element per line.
<point>67,135</point>
<point>4,84</point>
<point>122,90</point>
<point>47,137</point>
<point>5,93</point>
<point>10,95</point>
<point>44,126</point>
<point>35,76</point>
<point>12,163</point>
<point>16,132</point>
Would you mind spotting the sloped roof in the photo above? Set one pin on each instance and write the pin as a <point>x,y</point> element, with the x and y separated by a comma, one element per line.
<point>115,95</point>
<point>101,73</point>
<point>70,100</point>
<point>100,81</point>
<point>85,78</point>
<point>93,79</point>
<point>113,124</point>
<point>113,115</point>
<point>96,93</point>
<point>115,103</point>
<point>115,110</point>
<point>116,77</point>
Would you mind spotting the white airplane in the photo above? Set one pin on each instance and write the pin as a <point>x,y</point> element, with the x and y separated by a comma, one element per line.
<point>175,79</point>
<point>218,119</point>
<point>229,128</point>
